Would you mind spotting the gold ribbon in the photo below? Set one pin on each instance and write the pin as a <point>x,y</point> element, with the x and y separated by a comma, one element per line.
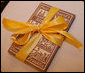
<point>53,30</point>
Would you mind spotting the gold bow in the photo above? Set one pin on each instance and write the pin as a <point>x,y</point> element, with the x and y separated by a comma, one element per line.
<point>53,30</point>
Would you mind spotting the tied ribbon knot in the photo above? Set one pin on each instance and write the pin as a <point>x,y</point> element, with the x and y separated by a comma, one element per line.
<point>54,31</point>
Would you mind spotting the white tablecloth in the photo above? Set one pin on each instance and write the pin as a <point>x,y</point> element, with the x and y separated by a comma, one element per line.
<point>67,59</point>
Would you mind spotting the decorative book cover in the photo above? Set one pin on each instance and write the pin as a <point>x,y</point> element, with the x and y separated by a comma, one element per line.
<point>43,53</point>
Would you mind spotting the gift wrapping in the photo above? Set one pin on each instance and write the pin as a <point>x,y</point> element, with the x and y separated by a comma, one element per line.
<point>42,55</point>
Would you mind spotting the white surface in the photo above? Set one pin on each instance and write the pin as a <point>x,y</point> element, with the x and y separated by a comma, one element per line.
<point>67,59</point>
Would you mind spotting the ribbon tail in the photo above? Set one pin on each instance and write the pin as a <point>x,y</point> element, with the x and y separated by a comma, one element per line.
<point>13,25</point>
<point>23,40</point>
<point>27,49</point>
<point>71,40</point>
<point>18,27</point>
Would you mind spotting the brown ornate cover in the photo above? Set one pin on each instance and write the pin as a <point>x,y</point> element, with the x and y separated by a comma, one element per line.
<point>43,53</point>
